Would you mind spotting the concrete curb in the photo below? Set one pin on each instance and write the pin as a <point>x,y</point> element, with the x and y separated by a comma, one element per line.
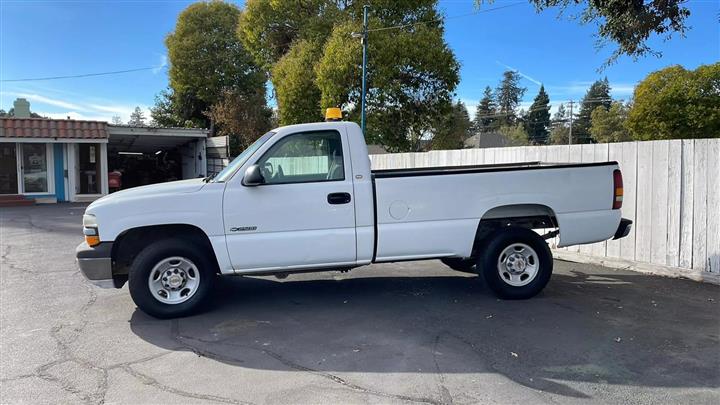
<point>647,268</point>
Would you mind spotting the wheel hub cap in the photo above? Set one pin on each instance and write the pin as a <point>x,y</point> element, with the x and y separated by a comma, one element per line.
<point>518,265</point>
<point>174,280</point>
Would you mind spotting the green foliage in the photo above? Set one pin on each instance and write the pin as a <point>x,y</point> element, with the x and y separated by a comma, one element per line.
<point>242,117</point>
<point>137,118</point>
<point>453,128</point>
<point>269,28</point>
<point>559,135</point>
<point>629,24</point>
<point>293,75</point>
<point>608,125</point>
<point>206,60</point>
<point>560,128</point>
<point>597,95</point>
<point>411,71</point>
<point>675,103</point>
<point>538,118</point>
<point>508,96</point>
<point>516,135</point>
<point>11,113</point>
<point>486,118</point>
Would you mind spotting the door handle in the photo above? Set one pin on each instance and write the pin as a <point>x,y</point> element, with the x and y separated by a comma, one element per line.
<point>338,198</point>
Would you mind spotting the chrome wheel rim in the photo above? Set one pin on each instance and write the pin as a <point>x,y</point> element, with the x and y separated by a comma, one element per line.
<point>174,280</point>
<point>518,265</point>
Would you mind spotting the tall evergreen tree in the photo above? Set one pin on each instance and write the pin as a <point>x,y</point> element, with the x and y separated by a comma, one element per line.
<point>508,96</point>
<point>453,129</point>
<point>597,95</point>
<point>560,126</point>
<point>538,118</point>
<point>137,118</point>
<point>486,119</point>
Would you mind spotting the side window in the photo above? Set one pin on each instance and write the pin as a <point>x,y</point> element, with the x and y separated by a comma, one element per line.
<point>304,157</point>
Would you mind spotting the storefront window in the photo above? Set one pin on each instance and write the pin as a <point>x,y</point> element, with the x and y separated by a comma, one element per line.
<point>34,168</point>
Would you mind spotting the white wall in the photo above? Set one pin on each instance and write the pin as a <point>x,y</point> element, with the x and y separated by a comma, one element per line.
<point>672,194</point>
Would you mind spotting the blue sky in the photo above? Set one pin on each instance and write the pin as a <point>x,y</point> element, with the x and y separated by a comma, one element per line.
<point>54,38</point>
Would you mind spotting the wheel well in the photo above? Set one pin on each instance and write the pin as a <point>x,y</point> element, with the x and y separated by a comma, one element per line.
<point>132,241</point>
<point>529,216</point>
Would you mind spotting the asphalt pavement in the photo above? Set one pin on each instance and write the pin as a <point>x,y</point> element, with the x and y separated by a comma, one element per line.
<point>411,332</point>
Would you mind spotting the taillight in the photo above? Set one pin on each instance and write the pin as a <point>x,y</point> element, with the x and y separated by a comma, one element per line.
<point>618,187</point>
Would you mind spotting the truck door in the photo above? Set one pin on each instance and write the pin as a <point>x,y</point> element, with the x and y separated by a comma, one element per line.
<point>303,215</point>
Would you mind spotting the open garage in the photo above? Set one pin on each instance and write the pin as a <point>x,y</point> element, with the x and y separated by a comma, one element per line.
<point>145,155</point>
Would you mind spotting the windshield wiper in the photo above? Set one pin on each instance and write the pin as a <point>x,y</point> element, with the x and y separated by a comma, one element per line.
<point>209,178</point>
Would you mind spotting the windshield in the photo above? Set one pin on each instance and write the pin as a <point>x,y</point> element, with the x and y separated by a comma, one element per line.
<point>227,172</point>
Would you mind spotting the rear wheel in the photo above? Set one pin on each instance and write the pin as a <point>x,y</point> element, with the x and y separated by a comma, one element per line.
<point>516,264</point>
<point>171,278</point>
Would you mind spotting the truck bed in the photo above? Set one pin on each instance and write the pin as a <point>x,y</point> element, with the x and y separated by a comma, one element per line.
<point>427,212</point>
<point>443,170</point>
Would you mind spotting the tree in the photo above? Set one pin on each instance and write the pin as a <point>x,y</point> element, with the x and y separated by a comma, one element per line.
<point>242,118</point>
<point>508,96</point>
<point>627,23</point>
<point>116,120</point>
<point>453,129</point>
<point>486,118</point>
<point>207,60</point>
<point>137,118</point>
<point>597,95</point>
<point>297,94</point>
<point>608,125</point>
<point>675,103</point>
<point>11,113</point>
<point>314,62</point>
<point>516,135</point>
<point>560,128</point>
<point>538,118</point>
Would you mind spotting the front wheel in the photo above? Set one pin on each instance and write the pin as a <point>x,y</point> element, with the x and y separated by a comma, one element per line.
<point>516,264</point>
<point>171,278</point>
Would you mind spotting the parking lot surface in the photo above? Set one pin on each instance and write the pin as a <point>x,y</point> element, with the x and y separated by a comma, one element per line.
<point>414,332</point>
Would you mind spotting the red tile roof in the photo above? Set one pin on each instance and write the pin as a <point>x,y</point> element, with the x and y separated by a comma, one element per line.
<point>49,128</point>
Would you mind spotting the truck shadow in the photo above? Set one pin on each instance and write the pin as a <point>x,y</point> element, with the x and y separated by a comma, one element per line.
<point>604,328</point>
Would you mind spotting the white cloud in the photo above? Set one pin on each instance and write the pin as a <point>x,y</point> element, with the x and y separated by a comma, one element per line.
<point>74,115</point>
<point>163,63</point>
<point>50,101</point>
<point>77,106</point>
<point>471,105</point>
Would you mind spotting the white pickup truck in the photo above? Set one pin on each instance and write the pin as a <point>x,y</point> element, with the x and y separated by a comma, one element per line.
<point>303,198</point>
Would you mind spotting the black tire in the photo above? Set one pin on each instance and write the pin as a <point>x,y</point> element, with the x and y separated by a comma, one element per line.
<point>463,264</point>
<point>146,260</point>
<point>497,243</point>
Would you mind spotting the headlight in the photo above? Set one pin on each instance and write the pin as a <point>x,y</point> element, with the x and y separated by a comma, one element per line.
<point>89,221</point>
<point>90,230</point>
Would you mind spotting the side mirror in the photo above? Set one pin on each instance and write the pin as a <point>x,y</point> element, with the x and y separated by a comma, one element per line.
<point>253,176</point>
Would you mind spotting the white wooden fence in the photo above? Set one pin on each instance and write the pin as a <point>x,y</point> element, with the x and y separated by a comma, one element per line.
<point>672,194</point>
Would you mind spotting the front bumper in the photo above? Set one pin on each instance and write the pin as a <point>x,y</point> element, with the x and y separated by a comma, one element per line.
<point>95,263</point>
<point>623,229</point>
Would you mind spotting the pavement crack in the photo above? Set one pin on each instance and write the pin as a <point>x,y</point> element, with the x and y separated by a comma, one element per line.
<point>445,395</point>
<point>147,380</point>
<point>185,341</point>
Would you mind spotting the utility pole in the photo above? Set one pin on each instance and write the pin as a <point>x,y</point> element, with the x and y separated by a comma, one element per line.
<point>571,118</point>
<point>364,67</point>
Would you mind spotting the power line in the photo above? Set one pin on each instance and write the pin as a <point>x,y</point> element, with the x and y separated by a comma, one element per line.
<point>445,18</point>
<point>34,79</point>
